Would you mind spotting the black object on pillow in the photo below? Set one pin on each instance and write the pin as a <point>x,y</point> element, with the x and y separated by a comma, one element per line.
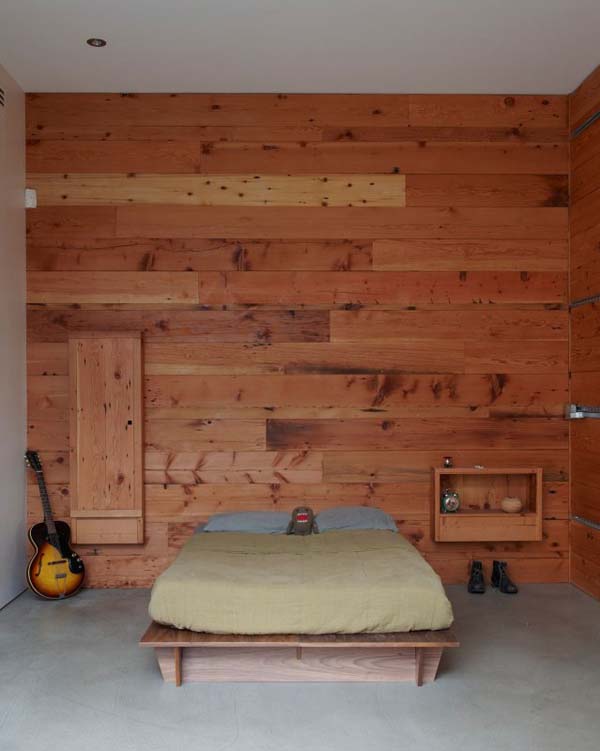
<point>302,521</point>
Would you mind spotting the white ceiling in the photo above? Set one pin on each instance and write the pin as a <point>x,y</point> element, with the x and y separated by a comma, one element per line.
<point>460,46</point>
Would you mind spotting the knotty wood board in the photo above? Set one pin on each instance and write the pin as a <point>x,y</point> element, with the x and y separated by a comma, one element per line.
<point>310,324</point>
<point>244,190</point>
<point>200,254</point>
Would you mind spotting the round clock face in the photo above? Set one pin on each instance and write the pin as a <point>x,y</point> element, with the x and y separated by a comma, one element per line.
<point>450,501</point>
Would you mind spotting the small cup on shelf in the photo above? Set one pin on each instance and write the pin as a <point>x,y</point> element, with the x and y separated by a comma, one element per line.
<point>511,505</point>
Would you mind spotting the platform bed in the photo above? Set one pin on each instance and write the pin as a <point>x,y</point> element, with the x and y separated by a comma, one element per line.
<point>191,657</point>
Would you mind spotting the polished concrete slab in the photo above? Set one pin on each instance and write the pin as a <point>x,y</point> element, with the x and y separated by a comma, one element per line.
<point>527,677</point>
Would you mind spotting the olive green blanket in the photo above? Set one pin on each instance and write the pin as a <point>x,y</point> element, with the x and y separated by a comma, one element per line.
<point>336,582</point>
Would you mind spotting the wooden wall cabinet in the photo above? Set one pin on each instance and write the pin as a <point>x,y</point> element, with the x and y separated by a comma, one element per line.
<point>480,517</point>
<point>106,466</point>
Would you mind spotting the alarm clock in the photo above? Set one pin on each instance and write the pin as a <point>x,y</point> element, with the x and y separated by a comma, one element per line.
<point>450,502</point>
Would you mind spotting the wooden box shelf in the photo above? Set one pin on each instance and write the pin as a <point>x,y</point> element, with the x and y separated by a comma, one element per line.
<point>480,518</point>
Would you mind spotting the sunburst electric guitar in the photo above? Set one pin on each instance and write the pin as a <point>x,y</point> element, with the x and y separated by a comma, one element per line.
<point>55,571</point>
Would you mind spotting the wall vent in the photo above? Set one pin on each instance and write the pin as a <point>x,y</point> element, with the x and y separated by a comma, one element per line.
<point>1,97</point>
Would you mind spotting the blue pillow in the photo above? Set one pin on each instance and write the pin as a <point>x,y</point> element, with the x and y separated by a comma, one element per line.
<point>257,522</point>
<point>354,517</point>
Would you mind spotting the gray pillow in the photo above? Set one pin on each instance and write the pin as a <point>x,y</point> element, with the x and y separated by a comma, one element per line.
<point>258,522</point>
<point>354,517</point>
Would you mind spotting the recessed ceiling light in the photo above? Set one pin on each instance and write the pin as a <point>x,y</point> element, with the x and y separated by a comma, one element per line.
<point>96,42</point>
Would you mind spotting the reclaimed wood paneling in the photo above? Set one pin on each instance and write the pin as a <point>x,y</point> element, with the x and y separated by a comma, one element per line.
<point>585,331</point>
<point>299,349</point>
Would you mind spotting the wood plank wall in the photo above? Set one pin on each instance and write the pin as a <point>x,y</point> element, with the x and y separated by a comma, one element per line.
<point>335,292</point>
<point>585,329</point>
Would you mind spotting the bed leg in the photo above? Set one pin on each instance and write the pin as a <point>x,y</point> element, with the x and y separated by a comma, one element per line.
<point>177,653</point>
<point>419,664</point>
<point>298,653</point>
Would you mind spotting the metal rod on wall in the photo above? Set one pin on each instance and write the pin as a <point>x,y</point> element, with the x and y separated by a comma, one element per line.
<point>585,522</point>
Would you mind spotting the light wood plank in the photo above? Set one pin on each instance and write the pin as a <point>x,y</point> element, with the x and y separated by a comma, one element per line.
<point>221,190</point>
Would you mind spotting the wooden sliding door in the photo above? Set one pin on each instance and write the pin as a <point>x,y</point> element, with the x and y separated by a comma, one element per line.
<point>105,373</point>
<point>585,332</point>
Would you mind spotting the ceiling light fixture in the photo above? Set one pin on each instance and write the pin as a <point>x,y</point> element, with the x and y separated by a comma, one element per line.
<point>96,42</point>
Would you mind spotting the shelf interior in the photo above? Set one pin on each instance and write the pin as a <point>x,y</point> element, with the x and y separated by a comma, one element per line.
<point>483,493</point>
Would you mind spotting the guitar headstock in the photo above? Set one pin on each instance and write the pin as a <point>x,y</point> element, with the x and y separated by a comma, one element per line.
<point>32,460</point>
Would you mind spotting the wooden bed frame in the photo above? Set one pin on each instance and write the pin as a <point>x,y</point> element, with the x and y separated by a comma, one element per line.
<point>188,656</point>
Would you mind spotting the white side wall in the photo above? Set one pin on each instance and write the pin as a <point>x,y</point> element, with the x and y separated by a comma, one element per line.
<point>12,340</point>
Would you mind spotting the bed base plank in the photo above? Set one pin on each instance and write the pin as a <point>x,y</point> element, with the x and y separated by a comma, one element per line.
<point>187,656</point>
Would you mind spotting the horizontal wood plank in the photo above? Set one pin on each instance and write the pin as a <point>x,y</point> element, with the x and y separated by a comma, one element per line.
<point>469,255</point>
<point>248,326</point>
<point>202,435</point>
<point>111,287</point>
<point>172,110</point>
<point>380,288</point>
<point>138,254</point>
<point>486,190</point>
<point>464,110</point>
<point>480,324</point>
<point>234,158</point>
<point>304,358</point>
<point>383,435</point>
<point>370,393</point>
<point>232,190</point>
<point>308,223</point>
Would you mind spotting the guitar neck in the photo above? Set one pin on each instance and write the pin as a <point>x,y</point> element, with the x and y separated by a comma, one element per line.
<point>48,516</point>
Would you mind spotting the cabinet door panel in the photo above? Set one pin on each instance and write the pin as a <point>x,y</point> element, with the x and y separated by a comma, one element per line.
<point>106,437</point>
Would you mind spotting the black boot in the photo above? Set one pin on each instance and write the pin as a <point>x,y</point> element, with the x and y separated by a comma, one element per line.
<point>501,580</point>
<point>476,583</point>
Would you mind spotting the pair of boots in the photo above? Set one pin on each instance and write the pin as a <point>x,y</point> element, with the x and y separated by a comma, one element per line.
<point>500,579</point>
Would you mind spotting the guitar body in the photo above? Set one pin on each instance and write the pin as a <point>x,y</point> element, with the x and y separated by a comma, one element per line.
<point>55,571</point>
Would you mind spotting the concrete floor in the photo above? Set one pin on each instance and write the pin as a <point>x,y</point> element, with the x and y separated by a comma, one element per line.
<point>526,678</point>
